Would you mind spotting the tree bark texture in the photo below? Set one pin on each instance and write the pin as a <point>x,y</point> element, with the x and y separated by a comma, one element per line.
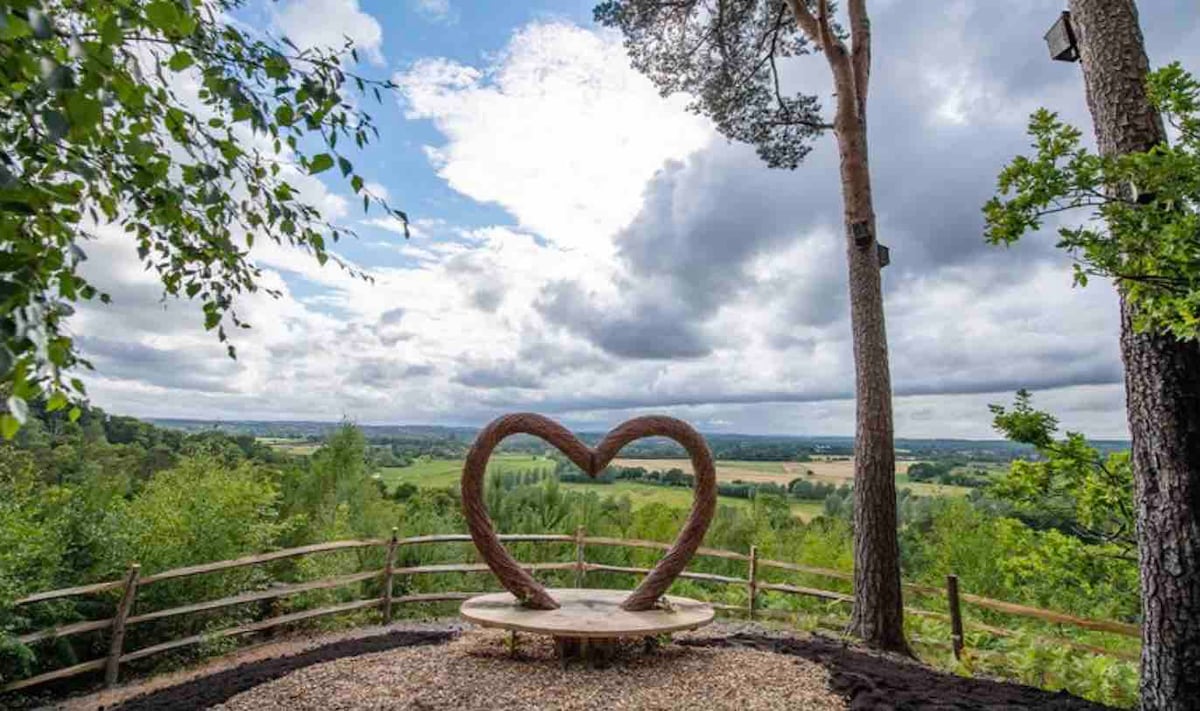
<point>878,615</point>
<point>1162,385</point>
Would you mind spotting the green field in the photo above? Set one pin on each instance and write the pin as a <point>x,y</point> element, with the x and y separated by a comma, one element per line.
<point>922,488</point>
<point>446,473</point>
<point>298,447</point>
<point>441,473</point>
<point>780,468</point>
<point>829,470</point>
<point>645,494</point>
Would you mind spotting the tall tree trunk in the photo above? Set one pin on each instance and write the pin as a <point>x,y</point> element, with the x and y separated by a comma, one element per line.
<point>1162,385</point>
<point>878,616</point>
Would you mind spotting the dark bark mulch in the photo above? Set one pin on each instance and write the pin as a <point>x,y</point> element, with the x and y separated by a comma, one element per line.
<point>219,687</point>
<point>868,680</point>
<point>877,681</point>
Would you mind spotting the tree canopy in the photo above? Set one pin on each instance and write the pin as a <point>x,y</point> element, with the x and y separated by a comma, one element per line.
<point>725,55</point>
<point>170,122</point>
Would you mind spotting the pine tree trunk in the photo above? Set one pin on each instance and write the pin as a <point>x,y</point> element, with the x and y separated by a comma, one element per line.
<point>1162,386</point>
<point>878,616</point>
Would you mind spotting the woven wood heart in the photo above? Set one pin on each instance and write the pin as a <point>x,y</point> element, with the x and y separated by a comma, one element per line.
<point>593,461</point>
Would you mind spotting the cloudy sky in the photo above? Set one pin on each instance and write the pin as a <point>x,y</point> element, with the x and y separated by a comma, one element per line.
<point>586,248</point>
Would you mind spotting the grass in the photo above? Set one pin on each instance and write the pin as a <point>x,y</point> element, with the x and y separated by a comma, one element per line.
<point>298,447</point>
<point>442,473</point>
<point>645,494</point>
<point>446,473</point>
<point>727,470</point>
<point>926,489</point>
<point>831,471</point>
<point>780,468</point>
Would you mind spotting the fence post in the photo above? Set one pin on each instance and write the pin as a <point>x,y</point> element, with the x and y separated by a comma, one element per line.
<point>113,665</point>
<point>388,574</point>
<point>580,561</point>
<point>956,626</point>
<point>753,577</point>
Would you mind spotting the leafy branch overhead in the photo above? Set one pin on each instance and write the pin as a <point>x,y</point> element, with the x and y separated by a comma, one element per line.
<point>171,124</point>
<point>1132,218</point>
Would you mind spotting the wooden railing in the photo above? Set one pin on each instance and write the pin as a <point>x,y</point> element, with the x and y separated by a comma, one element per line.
<point>133,581</point>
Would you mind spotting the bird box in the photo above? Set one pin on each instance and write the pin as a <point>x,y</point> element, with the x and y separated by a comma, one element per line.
<point>1061,40</point>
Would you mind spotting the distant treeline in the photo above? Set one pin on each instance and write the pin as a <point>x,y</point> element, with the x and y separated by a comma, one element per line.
<point>406,442</point>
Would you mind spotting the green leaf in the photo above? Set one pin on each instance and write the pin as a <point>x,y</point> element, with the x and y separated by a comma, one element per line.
<point>110,31</point>
<point>84,112</point>
<point>74,413</point>
<point>284,116</point>
<point>56,402</point>
<point>345,166</point>
<point>163,15</point>
<point>320,163</point>
<point>180,60</point>
<point>9,426</point>
<point>188,24</point>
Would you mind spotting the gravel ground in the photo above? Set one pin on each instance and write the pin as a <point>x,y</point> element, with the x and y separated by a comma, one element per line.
<point>425,666</point>
<point>476,671</point>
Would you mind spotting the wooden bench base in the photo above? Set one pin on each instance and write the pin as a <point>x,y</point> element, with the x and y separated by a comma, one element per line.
<point>589,624</point>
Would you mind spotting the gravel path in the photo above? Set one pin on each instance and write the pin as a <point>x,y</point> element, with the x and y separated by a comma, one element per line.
<point>477,672</point>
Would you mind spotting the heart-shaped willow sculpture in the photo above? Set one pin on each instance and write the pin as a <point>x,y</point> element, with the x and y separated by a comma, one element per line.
<point>593,461</point>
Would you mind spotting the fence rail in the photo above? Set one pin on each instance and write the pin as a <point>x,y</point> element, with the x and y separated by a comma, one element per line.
<point>133,581</point>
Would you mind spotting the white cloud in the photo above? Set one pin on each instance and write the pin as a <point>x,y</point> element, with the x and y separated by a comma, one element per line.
<point>327,23</point>
<point>560,131</point>
<point>436,10</point>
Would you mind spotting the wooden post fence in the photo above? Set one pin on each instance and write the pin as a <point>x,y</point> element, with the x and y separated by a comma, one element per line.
<point>580,561</point>
<point>956,625</point>
<point>129,586</point>
<point>752,584</point>
<point>389,573</point>
<point>112,666</point>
